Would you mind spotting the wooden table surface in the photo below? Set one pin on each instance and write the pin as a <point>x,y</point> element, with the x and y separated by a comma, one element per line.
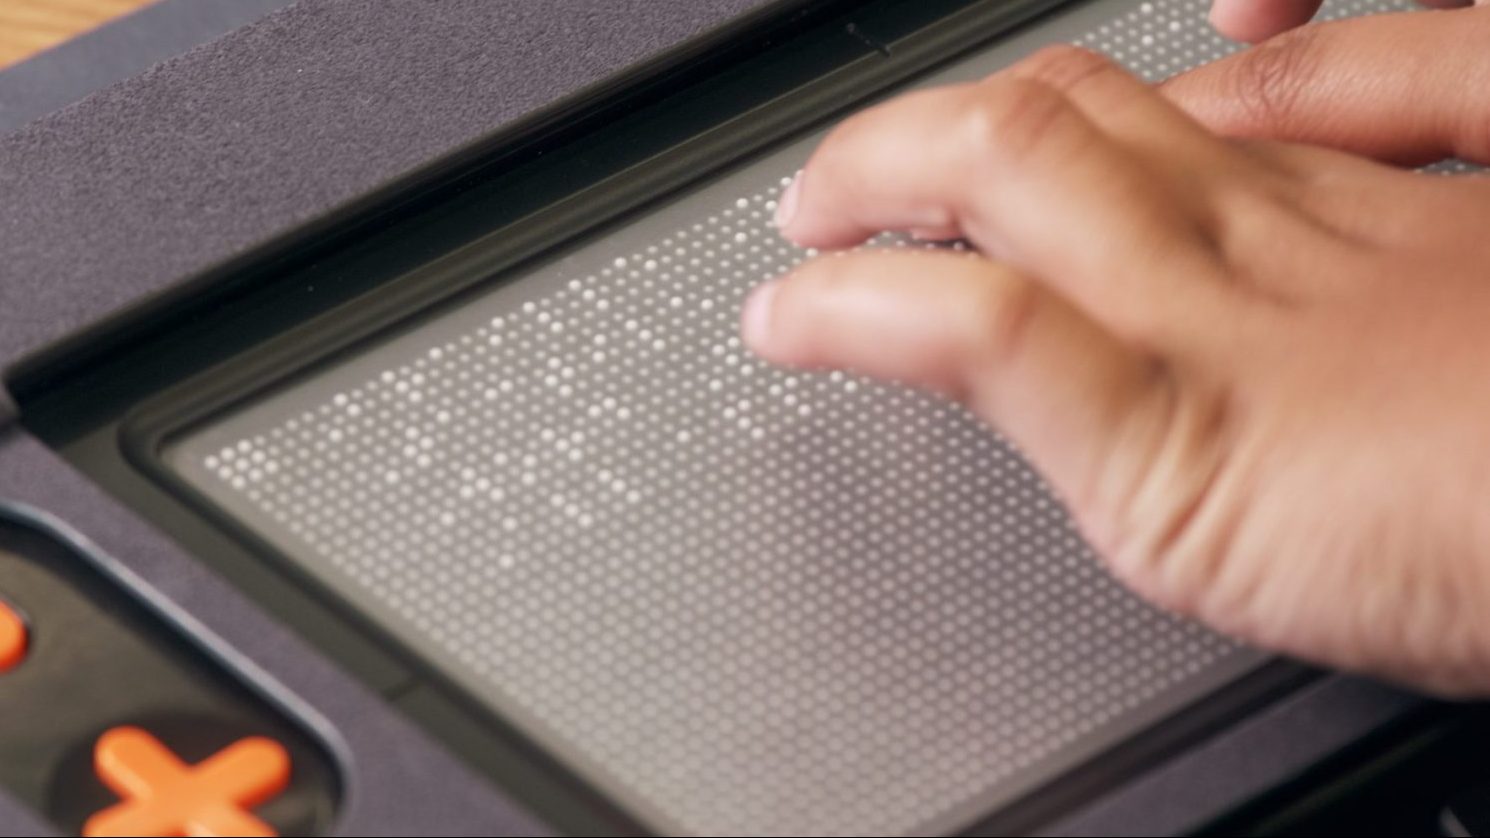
<point>30,26</point>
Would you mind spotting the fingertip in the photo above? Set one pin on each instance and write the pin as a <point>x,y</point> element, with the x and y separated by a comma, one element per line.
<point>1243,27</point>
<point>791,201</point>
<point>756,319</point>
<point>789,220</point>
<point>1253,21</point>
<point>815,226</point>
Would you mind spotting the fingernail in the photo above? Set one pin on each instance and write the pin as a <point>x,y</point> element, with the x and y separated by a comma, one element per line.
<point>786,210</point>
<point>756,322</point>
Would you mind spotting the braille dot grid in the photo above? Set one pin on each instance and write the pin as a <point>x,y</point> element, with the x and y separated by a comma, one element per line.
<point>740,601</point>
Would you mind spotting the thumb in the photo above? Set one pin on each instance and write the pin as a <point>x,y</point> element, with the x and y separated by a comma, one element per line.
<point>1407,88</point>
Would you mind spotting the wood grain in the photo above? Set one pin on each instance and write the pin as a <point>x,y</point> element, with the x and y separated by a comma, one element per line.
<point>30,26</point>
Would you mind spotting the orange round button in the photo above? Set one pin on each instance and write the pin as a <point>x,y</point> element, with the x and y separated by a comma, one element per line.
<point>12,639</point>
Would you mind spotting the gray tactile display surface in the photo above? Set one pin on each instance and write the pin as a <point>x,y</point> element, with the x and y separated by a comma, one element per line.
<point>739,601</point>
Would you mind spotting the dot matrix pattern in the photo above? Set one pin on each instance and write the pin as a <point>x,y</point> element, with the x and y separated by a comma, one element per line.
<point>739,600</point>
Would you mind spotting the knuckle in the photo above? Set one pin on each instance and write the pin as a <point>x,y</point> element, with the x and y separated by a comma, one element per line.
<point>826,160</point>
<point>1064,67</point>
<point>1268,81</point>
<point>1013,118</point>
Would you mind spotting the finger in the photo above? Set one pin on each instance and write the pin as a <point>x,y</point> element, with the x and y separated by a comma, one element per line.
<point>1407,88</point>
<point>1363,202</point>
<point>1123,106</point>
<point>1022,172</point>
<point>963,325</point>
<point>1258,20</point>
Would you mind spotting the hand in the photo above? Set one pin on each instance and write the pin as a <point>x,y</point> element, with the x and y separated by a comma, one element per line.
<point>1259,374</point>
<point>1258,20</point>
<point>1409,88</point>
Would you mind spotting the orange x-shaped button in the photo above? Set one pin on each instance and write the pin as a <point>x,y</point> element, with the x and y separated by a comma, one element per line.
<point>12,639</point>
<point>161,795</point>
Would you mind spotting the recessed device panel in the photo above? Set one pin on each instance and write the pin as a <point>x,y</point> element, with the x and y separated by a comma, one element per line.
<point>734,599</point>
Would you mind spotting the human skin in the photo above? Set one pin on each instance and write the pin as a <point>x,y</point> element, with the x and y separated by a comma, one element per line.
<point>1257,20</point>
<point>1254,368</point>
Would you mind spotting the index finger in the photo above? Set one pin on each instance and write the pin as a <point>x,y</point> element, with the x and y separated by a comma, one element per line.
<point>1021,170</point>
